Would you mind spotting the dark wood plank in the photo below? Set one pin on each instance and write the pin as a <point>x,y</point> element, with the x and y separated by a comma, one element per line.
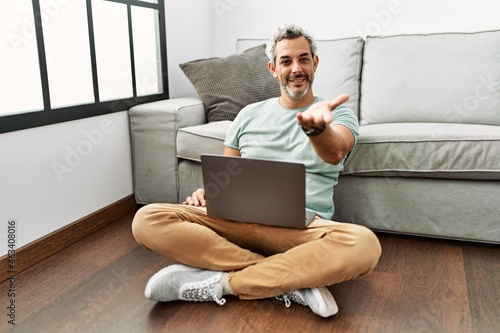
<point>420,285</point>
<point>66,270</point>
<point>101,301</point>
<point>482,268</point>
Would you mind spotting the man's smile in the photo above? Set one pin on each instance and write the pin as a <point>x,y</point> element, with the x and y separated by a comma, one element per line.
<point>298,78</point>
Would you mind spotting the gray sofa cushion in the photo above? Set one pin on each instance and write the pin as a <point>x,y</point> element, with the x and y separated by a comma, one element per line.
<point>226,85</point>
<point>339,69</point>
<point>153,128</point>
<point>458,151</point>
<point>449,77</point>
<point>202,139</point>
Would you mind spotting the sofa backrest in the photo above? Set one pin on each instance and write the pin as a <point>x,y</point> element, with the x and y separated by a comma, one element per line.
<point>447,77</point>
<point>339,67</point>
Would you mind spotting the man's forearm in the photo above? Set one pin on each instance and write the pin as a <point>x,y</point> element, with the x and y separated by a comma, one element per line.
<point>333,144</point>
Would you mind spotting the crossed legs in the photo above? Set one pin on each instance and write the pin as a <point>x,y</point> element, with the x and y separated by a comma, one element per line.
<point>262,261</point>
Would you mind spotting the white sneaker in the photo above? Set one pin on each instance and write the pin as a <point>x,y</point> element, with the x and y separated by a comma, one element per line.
<point>320,300</point>
<point>185,283</point>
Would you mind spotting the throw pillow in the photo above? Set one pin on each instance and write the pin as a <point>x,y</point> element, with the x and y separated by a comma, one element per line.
<point>226,85</point>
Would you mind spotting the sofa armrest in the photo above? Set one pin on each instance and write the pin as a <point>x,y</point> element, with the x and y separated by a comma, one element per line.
<point>153,128</point>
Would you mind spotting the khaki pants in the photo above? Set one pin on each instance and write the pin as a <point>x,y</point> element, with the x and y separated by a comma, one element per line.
<point>263,261</point>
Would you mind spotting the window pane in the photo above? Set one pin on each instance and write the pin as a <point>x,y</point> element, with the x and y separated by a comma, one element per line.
<point>66,38</point>
<point>150,1</point>
<point>112,50</point>
<point>20,83</point>
<point>146,51</point>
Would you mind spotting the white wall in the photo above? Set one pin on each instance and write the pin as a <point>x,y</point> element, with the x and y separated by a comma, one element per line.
<point>188,38</point>
<point>232,19</point>
<point>53,175</point>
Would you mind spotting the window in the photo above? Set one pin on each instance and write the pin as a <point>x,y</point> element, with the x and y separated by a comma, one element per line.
<point>69,59</point>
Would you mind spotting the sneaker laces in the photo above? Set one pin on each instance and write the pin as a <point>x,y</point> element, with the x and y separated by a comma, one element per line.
<point>291,296</point>
<point>202,292</point>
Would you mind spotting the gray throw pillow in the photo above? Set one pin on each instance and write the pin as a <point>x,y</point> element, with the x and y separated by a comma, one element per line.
<point>226,85</point>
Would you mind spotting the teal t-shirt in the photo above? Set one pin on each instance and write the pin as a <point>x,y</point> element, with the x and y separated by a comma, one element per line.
<point>266,130</point>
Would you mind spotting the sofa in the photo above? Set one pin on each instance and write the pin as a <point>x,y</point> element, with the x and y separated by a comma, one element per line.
<point>427,160</point>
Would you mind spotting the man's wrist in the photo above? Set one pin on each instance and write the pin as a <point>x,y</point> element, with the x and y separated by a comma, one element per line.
<point>314,131</point>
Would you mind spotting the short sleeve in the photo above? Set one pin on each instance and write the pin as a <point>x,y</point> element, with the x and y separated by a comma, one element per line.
<point>232,139</point>
<point>342,115</point>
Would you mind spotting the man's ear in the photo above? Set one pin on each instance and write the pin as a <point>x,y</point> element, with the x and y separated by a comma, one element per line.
<point>316,62</point>
<point>272,69</point>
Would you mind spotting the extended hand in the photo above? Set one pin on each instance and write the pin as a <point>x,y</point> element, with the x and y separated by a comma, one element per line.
<point>320,114</point>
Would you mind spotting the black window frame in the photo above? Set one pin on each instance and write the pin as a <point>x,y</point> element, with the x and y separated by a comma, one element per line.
<point>49,115</point>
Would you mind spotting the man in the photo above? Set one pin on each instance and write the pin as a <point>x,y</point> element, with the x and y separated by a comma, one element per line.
<point>251,261</point>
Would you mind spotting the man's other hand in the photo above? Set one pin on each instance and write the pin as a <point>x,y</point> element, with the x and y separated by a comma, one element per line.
<point>196,199</point>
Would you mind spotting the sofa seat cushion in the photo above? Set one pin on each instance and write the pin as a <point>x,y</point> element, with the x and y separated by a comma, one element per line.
<point>436,150</point>
<point>202,139</point>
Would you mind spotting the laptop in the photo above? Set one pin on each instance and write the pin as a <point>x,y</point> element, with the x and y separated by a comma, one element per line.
<point>256,191</point>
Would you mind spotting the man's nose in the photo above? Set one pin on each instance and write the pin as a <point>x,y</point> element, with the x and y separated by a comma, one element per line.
<point>296,68</point>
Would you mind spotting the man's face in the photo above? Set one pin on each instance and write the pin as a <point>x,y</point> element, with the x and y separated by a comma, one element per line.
<point>294,67</point>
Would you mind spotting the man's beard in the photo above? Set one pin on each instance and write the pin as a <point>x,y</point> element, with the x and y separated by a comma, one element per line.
<point>299,94</point>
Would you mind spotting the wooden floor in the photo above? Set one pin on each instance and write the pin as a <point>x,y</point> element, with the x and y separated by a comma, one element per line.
<point>96,285</point>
